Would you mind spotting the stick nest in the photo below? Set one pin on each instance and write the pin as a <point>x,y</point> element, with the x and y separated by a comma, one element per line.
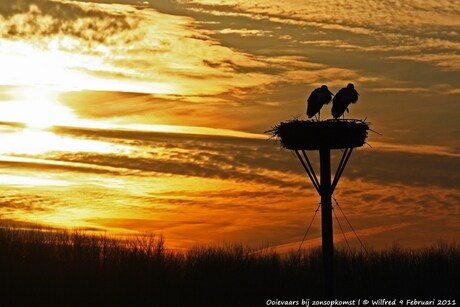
<point>314,135</point>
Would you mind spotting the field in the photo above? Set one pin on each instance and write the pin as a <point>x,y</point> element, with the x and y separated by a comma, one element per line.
<point>58,267</point>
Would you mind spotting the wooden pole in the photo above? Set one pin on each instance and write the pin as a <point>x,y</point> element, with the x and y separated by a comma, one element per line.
<point>326,221</point>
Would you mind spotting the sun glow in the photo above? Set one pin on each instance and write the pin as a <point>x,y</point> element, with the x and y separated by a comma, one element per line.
<point>36,107</point>
<point>61,64</point>
<point>34,142</point>
<point>31,180</point>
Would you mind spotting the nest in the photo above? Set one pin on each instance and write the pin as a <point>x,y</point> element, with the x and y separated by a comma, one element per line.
<point>314,135</point>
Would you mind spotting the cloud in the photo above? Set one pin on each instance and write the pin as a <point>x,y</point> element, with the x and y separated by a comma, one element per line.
<point>39,18</point>
<point>196,75</point>
<point>242,159</point>
<point>428,150</point>
<point>105,104</point>
<point>399,89</point>
<point>365,13</point>
<point>331,76</point>
<point>445,61</point>
<point>454,91</point>
<point>37,165</point>
<point>166,53</point>
<point>376,26</point>
<point>244,190</point>
<point>245,32</point>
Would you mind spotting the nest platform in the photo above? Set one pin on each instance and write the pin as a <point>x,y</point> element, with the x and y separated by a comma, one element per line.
<point>315,135</point>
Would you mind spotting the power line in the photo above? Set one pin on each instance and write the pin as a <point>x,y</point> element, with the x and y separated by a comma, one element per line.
<point>308,229</point>
<point>343,233</point>
<point>338,206</point>
<point>340,226</point>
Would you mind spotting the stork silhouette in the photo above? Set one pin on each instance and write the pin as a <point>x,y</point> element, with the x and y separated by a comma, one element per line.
<point>317,99</point>
<point>342,100</point>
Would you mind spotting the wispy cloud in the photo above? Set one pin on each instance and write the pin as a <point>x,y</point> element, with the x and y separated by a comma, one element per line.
<point>379,26</point>
<point>365,13</point>
<point>208,181</point>
<point>90,23</point>
<point>239,159</point>
<point>166,53</point>
<point>445,61</point>
<point>204,71</point>
<point>399,89</point>
<point>245,32</point>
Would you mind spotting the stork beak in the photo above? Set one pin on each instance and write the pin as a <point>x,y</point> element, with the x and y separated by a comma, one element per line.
<point>330,93</point>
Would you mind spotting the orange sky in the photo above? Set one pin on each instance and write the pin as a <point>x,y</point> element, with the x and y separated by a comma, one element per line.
<point>128,79</point>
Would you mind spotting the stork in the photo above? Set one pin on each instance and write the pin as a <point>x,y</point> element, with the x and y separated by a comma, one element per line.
<point>317,99</point>
<point>342,100</point>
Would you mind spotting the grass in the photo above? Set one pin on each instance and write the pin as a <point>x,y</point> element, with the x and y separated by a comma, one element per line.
<point>57,267</point>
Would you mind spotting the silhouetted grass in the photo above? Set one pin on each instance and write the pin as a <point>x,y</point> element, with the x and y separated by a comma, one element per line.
<point>49,267</point>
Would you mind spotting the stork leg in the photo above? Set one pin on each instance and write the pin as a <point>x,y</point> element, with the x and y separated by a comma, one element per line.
<point>319,115</point>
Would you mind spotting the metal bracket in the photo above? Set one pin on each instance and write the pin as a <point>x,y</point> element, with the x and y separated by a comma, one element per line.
<point>341,167</point>
<point>309,169</point>
<point>311,172</point>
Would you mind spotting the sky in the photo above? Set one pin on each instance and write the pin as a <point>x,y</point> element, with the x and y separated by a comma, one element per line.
<point>149,116</point>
